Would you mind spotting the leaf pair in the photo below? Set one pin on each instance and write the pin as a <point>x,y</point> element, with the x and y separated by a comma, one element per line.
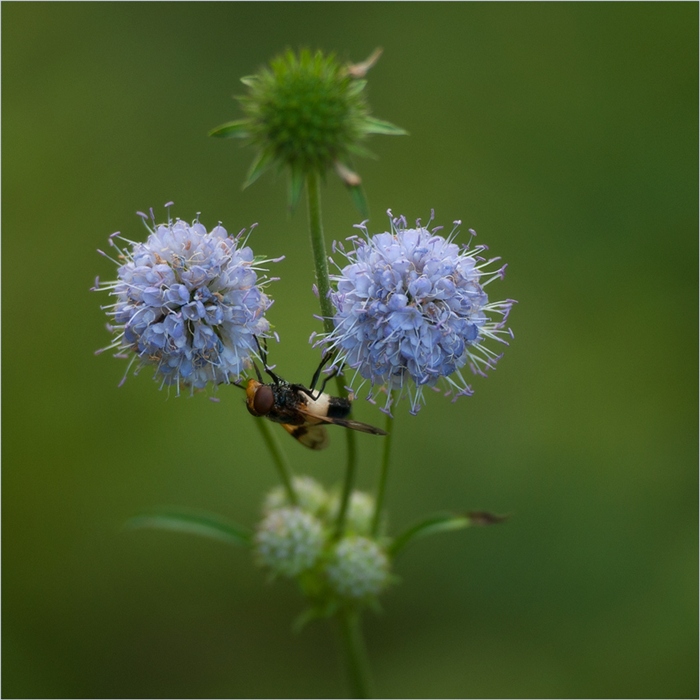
<point>215,527</point>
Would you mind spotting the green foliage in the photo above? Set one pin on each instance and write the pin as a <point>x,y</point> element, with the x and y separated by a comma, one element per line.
<point>441,522</point>
<point>189,522</point>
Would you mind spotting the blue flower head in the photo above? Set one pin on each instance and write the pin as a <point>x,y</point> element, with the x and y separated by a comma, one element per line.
<point>411,309</point>
<point>187,302</point>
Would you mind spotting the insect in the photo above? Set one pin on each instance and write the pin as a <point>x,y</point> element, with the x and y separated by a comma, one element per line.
<point>303,412</point>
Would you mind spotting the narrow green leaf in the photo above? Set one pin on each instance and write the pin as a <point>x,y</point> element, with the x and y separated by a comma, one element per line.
<point>193,523</point>
<point>359,200</point>
<point>295,187</point>
<point>356,87</point>
<point>232,130</point>
<point>264,160</point>
<point>378,126</point>
<point>358,150</point>
<point>314,613</point>
<point>442,522</point>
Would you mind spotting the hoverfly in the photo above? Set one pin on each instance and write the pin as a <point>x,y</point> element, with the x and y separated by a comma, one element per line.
<point>303,412</point>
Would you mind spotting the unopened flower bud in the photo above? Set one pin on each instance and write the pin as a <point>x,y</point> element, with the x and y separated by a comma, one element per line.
<point>358,520</point>
<point>311,496</point>
<point>358,568</point>
<point>289,541</point>
<point>306,112</point>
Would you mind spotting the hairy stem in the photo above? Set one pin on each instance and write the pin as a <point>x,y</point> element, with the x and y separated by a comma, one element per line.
<point>279,458</point>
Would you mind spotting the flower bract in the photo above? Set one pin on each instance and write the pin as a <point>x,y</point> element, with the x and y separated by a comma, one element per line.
<point>187,302</point>
<point>411,308</point>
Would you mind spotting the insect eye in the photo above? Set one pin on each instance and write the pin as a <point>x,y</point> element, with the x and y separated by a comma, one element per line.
<point>264,400</point>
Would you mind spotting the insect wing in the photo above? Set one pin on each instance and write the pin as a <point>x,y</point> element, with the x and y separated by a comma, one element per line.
<point>315,437</point>
<point>344,423</point>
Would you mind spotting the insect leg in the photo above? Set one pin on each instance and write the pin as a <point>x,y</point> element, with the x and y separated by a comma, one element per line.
<point>324,361</point>
<point>262,349</point>
<point>257,372</point>
<point>336,371</point>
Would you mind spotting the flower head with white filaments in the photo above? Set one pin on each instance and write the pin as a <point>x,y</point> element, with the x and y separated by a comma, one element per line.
<point>411,309</point>
<point>298,541</point>
<point>188,302</point>
<point>358,568</point>
<point>289,541</point>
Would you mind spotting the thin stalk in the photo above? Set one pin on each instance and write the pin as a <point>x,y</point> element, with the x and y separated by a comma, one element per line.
<point>348,484</point>
<point>318,247</point>
<point>355,654</point>
<point>278,457</point>
<point>384,471</point>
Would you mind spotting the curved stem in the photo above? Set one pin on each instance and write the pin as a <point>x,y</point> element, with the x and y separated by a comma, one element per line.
<point>278,457</point>
<point>381,488</point>
<point>355,653</point>
<point>318,247</point>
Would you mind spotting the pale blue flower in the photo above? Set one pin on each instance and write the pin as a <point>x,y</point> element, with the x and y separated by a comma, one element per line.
<point>187,302</point>
<point>411,309</point>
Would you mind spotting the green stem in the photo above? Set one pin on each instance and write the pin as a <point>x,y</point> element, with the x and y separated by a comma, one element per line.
<point>381,487</point>
<point>348,484</point>
<point>318,247</point>
<point>355,653</point>
<point>278,457</point>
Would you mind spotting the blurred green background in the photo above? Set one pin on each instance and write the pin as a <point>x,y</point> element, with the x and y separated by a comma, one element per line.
<point>567,136</point>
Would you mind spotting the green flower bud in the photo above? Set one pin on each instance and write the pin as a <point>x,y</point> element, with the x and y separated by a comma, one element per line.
<point>358,520</point>
<point>311,496</point>
<point>357,568</point>
<point>307,112</point>
<point>289,541</point>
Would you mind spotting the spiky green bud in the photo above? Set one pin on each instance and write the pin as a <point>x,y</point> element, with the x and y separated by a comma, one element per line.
<point>307,112</point>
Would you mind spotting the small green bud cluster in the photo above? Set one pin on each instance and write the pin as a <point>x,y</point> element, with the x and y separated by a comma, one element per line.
<point>297,541</point>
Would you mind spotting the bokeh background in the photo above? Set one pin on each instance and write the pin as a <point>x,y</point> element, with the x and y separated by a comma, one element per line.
<point>567,136</point>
